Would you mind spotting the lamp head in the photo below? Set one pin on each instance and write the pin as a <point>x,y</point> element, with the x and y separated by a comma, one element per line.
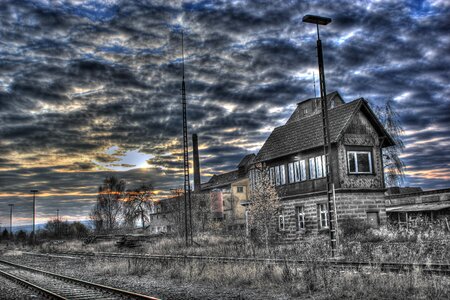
<point>316,20</point>
<point>34,191</point>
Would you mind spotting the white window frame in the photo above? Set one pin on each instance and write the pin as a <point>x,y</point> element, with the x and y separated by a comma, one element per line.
<point>282,174</point>
<point>323,215</point>
<point>300,212</point>
<point>291,172</point>
<point>240,189</point>
<point>297,171</point>
<point>302,170</point>
<point>281,223</point>
<point>312,168</point>
<point>355,153</point>
<point>319,167</point>
<point>277,176</point>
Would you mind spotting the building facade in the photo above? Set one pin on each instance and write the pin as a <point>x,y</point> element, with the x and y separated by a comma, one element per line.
<point>293,156</point>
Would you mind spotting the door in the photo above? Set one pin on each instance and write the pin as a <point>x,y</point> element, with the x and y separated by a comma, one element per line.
<point>373,220</point>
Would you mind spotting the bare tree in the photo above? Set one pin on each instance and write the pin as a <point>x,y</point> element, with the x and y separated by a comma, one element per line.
<point>108,208</point>
<point>392,163</point>
<point>264,205</point>
<point>138,205</point>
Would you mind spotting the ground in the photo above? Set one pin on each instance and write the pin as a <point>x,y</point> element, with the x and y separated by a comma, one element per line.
<point>168,279</point>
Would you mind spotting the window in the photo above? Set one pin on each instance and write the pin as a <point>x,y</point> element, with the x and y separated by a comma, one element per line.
<point>291,172</point>
<point>323,215</point>
<point>300,212</point>
<point>283,174</point>
<point>281,224</point>
<point>240,189</point>
<point>359,162</point>
<point>277,175</point>
<point>319,168</point>
<point>297,171</point>
<point>302,170</point>
<point>312,168</point>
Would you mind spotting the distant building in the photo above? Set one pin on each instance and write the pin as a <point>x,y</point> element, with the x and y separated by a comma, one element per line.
<point>234,191</point>
<point>162,216</point>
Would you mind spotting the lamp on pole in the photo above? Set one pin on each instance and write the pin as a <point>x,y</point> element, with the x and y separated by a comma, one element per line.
<point>10,218</point>
<point>318,20</point>
<point>34,213</point>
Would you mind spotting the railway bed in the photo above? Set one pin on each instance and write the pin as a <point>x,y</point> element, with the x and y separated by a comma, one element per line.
<point>55,286</point>
<point>429,268</point>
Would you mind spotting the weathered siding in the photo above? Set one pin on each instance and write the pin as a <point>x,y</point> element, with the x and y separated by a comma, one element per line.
<point>360,135</point>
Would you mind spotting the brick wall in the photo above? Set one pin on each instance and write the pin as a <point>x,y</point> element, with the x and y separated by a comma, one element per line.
<point>350,204</point>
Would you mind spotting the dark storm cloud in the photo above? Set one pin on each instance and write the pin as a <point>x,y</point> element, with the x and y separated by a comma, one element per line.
<point>77,79</point>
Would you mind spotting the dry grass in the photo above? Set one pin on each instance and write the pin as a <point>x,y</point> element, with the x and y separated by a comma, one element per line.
<point>302,281</point>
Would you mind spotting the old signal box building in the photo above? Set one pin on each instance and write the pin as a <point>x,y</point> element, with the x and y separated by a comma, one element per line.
<point>293,153</point>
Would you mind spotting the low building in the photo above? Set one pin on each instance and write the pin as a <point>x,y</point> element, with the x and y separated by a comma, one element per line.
<point>233,189</point>
<point>407,206</point>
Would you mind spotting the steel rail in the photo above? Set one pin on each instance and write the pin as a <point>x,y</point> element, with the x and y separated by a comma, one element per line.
<point>25,283</point>
<point>109,289</point>
<point>436,268</point>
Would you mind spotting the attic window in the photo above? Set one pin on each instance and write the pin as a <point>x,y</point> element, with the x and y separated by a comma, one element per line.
<point>359,162</point>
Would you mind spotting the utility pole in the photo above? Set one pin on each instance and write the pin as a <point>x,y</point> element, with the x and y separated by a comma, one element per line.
<point>57,222</point>
<point>10,218</point>
<point>318,20</point>
<point>34,213</point>
<point>187,185</point>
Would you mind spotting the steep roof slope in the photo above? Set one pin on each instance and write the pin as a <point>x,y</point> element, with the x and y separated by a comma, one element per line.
<point>221,180</point>
<point>307,133</point>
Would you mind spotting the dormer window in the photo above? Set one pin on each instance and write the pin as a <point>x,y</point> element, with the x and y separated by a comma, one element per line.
<point>359,162</point>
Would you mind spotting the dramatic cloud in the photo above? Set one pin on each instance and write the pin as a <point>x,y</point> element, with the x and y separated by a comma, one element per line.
<point>92,88</point>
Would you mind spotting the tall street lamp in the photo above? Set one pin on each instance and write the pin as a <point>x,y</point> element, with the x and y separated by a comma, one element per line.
<point>34,213</point>
<point>10,218</point>
<point>318,20</point>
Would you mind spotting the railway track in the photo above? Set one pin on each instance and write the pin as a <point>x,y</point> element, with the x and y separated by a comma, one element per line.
<point>430,268</point>
<point>56,286</point>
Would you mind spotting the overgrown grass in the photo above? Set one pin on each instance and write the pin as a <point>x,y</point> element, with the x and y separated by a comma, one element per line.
<point>357,243</point>
<point>312,280</point>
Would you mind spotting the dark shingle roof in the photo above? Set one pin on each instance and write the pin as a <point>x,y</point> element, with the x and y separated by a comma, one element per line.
<point>307,133</point>
<point>221,180</point>
<point>247,160</point>
<point>297,114</point>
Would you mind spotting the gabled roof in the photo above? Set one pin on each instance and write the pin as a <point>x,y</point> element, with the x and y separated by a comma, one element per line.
<point>307,133</point>
<point>221,180</point>
<point>247,160</point>
<point>297,114</point>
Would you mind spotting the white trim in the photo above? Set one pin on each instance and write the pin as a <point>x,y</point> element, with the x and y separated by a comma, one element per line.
<point>355,153</point>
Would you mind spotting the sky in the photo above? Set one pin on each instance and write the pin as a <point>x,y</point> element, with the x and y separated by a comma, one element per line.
<point>92,88</point>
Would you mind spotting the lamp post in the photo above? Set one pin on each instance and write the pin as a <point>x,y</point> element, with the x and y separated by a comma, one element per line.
<point>318,20</point>
<point>10,218</point>
<point>34,213</point>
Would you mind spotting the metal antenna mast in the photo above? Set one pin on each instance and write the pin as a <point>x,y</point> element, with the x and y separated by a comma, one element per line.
<point>187,185</point>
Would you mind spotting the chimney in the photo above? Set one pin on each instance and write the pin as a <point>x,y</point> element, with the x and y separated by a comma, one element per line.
<point>196,164</point>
